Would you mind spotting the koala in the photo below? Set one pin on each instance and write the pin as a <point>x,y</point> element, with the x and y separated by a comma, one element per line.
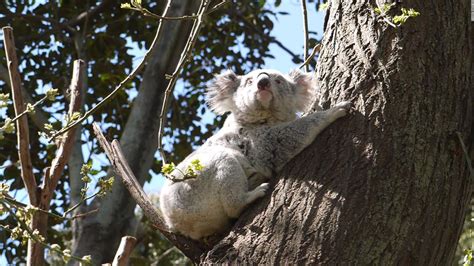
<point>260,135</point>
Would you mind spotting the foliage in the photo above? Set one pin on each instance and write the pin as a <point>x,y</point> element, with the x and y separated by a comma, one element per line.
<point>466,241</point>
<point>395,20</point>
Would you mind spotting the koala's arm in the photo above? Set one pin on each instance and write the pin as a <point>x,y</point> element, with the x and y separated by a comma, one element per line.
<point>283,142</point>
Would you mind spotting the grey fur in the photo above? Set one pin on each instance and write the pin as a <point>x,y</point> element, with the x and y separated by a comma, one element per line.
<point>261,134</point>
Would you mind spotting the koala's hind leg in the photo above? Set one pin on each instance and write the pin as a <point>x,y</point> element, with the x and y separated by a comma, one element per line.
<point>235,195</point>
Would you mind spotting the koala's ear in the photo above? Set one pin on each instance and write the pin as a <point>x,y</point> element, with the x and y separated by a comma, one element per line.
<point>220,91</point>
<point>305,89</point>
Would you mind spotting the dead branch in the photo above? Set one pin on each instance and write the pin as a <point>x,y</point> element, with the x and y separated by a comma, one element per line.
<point>117,159</point>
<point>22,123</point>
<point>65,147</point>
<point>190,248</point>
<point>316,49</point>
<point>123,252</point>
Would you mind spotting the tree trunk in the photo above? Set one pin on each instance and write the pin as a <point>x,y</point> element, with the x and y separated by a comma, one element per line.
<point>389,183</point>
<point>99,234</point>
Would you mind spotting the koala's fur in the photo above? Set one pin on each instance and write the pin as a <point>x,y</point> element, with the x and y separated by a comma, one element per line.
<point>261,134</point>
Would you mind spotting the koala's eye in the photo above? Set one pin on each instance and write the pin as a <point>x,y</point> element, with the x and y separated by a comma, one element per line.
<point>248,82</point>
<point>278,81</point>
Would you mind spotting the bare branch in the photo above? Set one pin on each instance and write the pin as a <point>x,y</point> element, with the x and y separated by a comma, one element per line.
<point>466,155</point>
<point>22,123</point>
<point>316,49</point>
<point>123,252</point>
<point>65,147</point>
<point>305,29</point>
<point>122,83</point>
<point>117,159</point>
<point>191,248</point>
<point>184,57</point>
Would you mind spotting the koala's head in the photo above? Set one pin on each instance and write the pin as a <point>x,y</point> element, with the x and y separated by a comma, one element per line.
<point>261,94</point>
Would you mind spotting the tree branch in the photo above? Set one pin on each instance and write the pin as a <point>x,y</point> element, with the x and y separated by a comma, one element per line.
<point>192,249</point>
<point>117,159</point>
<point>185,54</point>
<point>65,147</point>
<point>123,252</point>
<point>148,13</point>
<point>316,49</point>
<point>305,29</point>
<point>22,123</point>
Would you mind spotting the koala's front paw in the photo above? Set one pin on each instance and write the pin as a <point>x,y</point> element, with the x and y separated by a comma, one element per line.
<point>262,189</point>
<point>341,109</point>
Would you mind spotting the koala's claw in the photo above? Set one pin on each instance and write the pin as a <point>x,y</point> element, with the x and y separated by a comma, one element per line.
<point>346,105</point>
<point>262,189</point>
<point>341,109</point>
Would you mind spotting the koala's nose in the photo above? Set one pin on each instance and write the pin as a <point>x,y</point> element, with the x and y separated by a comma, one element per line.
<point>263,82</point>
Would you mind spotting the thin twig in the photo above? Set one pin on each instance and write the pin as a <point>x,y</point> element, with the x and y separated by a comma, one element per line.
<point>466,155</point>
<point>79,203</point>
<point>39,118</point>
<point>122,83</point>
<point>10,200</point>
<point>305,29</point>
<point>163,255</point>
<point>22,123</point>
<point>28,111</point>
<point>316,49</point>
<point>80,215</point>
<point>184,57</point>
<point>32,235</point>
<point>148,13</point>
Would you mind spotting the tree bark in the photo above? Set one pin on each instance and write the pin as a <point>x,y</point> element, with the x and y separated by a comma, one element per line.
<point>388,184</point>
<point>99,234</point>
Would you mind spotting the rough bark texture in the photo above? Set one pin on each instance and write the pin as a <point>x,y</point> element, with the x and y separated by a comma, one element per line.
<point>99,234</point>
<point>387,184</point>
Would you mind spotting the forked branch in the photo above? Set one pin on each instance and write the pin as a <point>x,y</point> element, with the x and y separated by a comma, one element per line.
<point>189,247</point>
<point>65,144</point>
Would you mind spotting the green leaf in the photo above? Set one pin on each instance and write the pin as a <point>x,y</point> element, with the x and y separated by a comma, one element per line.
<point>51,94</point>
<point>168,168</point>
